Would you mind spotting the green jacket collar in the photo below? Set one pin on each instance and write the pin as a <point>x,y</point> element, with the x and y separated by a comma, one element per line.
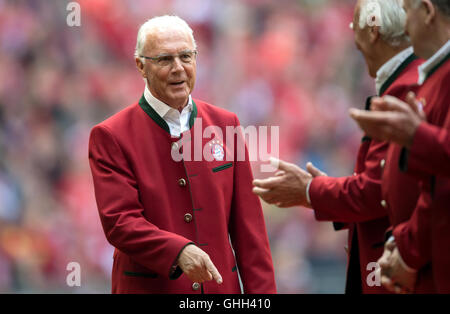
<point>437,66</point>
<point>396,74</point>
<point>159,120</point>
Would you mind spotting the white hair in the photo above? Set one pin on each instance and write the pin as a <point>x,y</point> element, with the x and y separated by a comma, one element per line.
<point>161,23</point>
<point>389,16</point>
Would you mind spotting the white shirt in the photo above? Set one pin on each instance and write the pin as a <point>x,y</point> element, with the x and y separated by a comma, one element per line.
<point>177,122</point>
<point>390,67</point>
<point>425,67</point>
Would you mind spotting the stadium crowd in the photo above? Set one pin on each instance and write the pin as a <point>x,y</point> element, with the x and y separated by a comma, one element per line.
<point>287,63</point>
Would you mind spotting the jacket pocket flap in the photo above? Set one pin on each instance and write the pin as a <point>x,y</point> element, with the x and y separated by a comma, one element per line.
<point>223,167</point>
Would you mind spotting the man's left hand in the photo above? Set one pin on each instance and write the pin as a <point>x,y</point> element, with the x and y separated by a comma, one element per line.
<point>287,188</point>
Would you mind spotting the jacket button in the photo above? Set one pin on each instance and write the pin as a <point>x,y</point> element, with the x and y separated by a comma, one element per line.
<point>182,182</point>
<point>188,217</point>
<point>174,146</point>
<point>383,203</point>
<point>195,286</point>
<point>382,163</point>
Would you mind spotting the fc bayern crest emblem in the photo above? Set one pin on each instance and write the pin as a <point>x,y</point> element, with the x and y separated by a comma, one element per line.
<point>217,151</point>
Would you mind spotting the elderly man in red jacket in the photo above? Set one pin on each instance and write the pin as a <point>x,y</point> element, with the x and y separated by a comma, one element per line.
<point>178,225</point>
<point>356,200</point>
<point>424,135</point>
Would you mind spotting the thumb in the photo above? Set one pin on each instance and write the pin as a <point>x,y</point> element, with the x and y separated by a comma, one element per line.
<point>390,245</point>
<point>412,102</point>
<point>314,171</point>
<point>415,104</point>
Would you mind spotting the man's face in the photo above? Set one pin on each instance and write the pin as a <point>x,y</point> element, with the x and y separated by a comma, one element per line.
<point>415,26</point>
<point>362,40</point>
<point>171,82</point>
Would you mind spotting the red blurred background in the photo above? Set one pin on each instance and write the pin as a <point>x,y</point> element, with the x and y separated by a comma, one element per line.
<point>286,63</point>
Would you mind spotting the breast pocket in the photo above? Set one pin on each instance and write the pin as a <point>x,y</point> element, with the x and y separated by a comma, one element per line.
<point>222,167</point>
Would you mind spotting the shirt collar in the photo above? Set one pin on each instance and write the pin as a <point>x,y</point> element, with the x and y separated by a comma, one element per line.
<point>161,108</point>
<point>427,66</point>
<point>390,67</point>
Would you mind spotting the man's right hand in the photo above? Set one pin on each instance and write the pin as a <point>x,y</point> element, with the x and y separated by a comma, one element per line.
<point>394,276</point>
<point>197,265</point>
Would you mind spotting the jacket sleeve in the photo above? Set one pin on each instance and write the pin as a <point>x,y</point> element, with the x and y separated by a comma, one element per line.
<point>354,198</point>
<point>248,231</point>
<point>429,153</point>
<point>413,237</point>
<point>121,211</point>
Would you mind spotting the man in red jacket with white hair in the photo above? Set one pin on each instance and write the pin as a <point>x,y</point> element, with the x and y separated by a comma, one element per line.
<point>178,225</point>
<point>421,126</point>
<point>355,201</point>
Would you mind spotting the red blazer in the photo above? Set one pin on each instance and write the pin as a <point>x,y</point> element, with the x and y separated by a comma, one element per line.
<point>431,138</point>
<point>396,184</point>
<point>426,236</point>
<point>356,200</point>
<point>151,206</point>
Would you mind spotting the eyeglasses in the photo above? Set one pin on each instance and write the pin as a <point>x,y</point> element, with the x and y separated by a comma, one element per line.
<point>163,60</point>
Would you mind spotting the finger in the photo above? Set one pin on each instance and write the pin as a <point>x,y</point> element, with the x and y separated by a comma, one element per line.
<point>370,122</point>
<point>209,276</point>
<point>394,104</point>
<point>260,191</point>
<point>390,245</point>
<point>376,103</point>
<point>378,272</point>
<point>387,283</point>
<point>373,119</point>
<point>274,162</point>
<point>271,198</point>
<point>379,104</point>
<point>413,103</point>
<point>267,183</point>
<point>213,271</point>
<point>314,171</point>
<point>366,116</point>
<point>266,195</point>
<point>383,260</point>
<point>196,276</point>
<point>382,106</point>
<point>386,269</point>
<point>280,164</point>
<point>416,105</point>
<point>398,289</point>
<point>280,173</point>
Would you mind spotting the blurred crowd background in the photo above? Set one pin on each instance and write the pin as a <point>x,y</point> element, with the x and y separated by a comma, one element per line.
<point>286,63</point>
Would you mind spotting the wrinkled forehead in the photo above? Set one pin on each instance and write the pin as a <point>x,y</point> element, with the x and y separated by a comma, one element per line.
<point>168,40</point>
